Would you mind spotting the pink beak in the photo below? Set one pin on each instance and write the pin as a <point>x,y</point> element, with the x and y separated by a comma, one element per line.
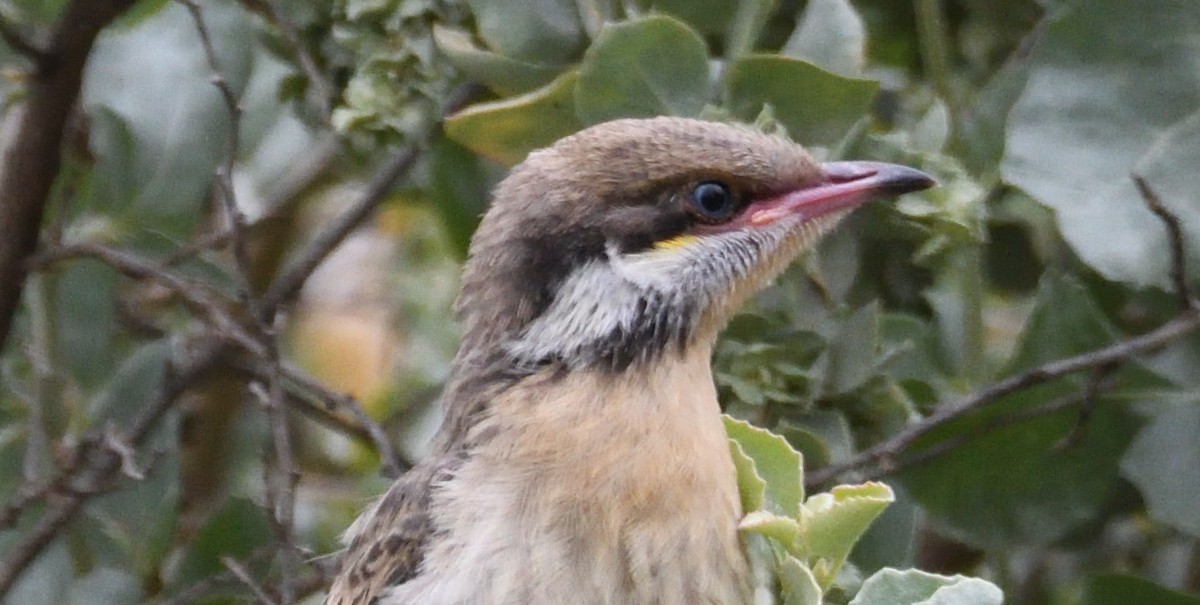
<point>845,185</point>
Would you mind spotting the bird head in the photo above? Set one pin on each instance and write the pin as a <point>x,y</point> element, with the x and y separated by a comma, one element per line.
<point>636,237</point>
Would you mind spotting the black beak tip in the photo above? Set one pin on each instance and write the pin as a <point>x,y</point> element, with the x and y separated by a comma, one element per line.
<point>895,179</point>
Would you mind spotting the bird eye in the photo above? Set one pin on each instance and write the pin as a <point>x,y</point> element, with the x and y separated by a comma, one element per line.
<point>713,201</point>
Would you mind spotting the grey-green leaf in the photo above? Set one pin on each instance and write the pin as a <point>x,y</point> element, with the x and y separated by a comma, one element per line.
<point>816,106</point>
<point>913,587</point>
<point>1098,98</point>
<point>537,31</point>
<point>830,35</point>
<point>629,73</point>
<point>1162,462</point>
<point>776,462</point>
<point>1023,491</point>
<point>507,130</point>
<point>505,75</point>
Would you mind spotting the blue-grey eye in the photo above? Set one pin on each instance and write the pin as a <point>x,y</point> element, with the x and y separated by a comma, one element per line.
<point>713,201</point>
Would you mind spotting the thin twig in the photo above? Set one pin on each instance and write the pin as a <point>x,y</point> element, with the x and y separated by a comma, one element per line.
<point>1091,398</point>
<point>224,173</point>
<point>304,173</point>
<point>282,499</point>
<point>287,285</point>
<point>198,296</point>
<point>1179,279</point>
<point>941,448</point>
<point>389,459</point>
<point>247,580</point>
<point>97,468</point>
<point>310,397</point>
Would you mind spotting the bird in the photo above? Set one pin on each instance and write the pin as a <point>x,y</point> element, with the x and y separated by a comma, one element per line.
<point>582,457</point>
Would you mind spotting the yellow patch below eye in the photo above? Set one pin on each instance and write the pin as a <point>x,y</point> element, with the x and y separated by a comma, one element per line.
<point>675,243</point>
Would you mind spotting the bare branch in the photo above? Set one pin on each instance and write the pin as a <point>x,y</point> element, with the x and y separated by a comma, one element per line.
<point>941,448</point>
<point>1091,398</point>
<point>224,173</point>
<point>96,468</point>
<point>117,444</point>
<point>288,285</point>
<point>1179,278</point>
<point>245,578</point>
<point>280,495</point>
<point>197,296</point>
<point>281,501</point>
<point>31,161</point>
<point>389,459</point>
<point>304,173</point>
<point>889,450</point>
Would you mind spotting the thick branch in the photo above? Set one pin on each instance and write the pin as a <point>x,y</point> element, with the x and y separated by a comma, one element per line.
<point>32,160</point>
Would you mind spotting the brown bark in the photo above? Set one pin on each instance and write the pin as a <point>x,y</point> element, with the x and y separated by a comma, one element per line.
<point>32,160</point>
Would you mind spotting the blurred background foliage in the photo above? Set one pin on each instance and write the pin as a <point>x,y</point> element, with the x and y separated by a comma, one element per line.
<point>1032,113</point>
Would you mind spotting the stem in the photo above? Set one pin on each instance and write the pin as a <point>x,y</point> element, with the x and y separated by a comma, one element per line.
<point>935,51</point>
<point>970,286</point>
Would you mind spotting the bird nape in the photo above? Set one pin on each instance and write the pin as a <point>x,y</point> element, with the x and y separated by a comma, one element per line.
<point>582,458</point>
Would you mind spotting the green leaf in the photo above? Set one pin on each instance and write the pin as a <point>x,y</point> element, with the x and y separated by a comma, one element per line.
<point>799,585</point>
<point>1122,589</point>
<point>504,75</point>
<point>83,299</point>
<point>751,486</point>
<point>627,72</point>
<point>816,106</point>
<point>831,36</point>
<point>536,31</point>
<point>507,130</point>
<point>981,136</point>
<point>1162,463</point>
<point>44,582</point>
<point>852,351</point>
<point>776,462</point>
<point>459,189</point>
<point>132,385</point>
<point>822,436</point>
<point>834,521</point>
<point>914,587</point>
<point>236,530</point>
<point>1022,489</point>
<point>746,26</point>
<point>784,529</point>
<point>930,133</point>
<point>891,539</point>
<point>1099,100</point>
<point>709,17</point>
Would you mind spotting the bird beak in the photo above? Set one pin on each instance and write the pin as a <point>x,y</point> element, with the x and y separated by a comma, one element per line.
<point>844,185</point>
